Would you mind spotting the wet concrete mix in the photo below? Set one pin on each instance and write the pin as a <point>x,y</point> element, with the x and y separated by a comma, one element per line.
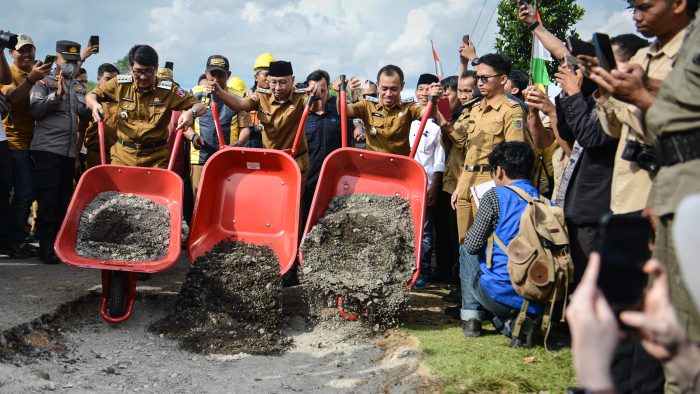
<point>362,250</point>
<point>230,303</point>
<point>117,226</point>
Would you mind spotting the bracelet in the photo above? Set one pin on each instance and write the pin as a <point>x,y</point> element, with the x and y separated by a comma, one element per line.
<point>534,25</point>
<point>192,137</point>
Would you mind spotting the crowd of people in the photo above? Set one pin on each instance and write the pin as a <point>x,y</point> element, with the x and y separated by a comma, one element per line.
<point>623,142</point>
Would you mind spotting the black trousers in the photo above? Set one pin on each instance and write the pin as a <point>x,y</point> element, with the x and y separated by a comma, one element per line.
<point>53,177</point>
<point>5,187</point>
<point>446,237</point>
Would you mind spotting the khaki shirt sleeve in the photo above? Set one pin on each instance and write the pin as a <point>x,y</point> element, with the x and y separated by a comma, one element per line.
<point>361,110</point>
<point>608,109</point>
<point>514,125</point>
<point>181,99</point>
<point>416,111</point>
<point>108,92</point>
<point>244,119</point>
<point>253,101</point>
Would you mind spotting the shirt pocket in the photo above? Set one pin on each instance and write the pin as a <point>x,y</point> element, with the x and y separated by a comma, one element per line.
<point>155,112</point>
<point>127,111</point>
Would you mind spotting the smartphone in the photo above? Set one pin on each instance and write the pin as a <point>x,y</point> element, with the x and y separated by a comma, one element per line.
<point>95,41</point>
<point>169,65</point>
<point>465,39</point>
<point>49,59</point>
<point>580,47</point>
<point>624,249</point>
<point>603,50</point>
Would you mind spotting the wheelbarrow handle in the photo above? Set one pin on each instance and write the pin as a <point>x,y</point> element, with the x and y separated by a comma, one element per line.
<point>302,123</point>
<point>342,96</point>
<point>423,122</point>
<point>101,138</point>
<point>217,121</point>
<point>176,148</point>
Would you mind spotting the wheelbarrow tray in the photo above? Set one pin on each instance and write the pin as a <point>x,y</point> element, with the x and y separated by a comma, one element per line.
<point>351,170</point>
<point>158,185</point>
<point>250,195</point>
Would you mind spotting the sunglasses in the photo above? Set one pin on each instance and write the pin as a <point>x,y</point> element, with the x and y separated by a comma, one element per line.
<point>484,78</point>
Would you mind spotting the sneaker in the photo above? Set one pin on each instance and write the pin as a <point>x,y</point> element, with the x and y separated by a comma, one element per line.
<point>421,283</point>
<point>454,296</point>
<point>524,340</point>
<point>471,328</point>
<point>22,250</point>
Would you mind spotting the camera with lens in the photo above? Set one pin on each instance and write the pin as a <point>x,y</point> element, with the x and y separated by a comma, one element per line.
<point>8,40</point>
<point>642,154</point>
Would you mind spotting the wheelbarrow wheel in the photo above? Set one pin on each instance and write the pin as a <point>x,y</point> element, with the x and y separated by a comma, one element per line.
<point>117,284</point>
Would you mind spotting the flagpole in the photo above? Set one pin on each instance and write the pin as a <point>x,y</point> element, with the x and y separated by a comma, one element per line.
<point>532,52</point>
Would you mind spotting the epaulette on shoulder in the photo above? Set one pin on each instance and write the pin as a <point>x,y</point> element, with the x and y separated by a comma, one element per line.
<point>125,78</point>
<point>300,91</point>
<point>164,84</point>
<point>408,100</point>
<point>513,103</point>
<point>263,90</point>
<point>371,99</point>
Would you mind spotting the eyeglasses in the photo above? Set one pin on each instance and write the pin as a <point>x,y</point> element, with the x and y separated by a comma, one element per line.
<point>484,78</point>
<point>149,72</point>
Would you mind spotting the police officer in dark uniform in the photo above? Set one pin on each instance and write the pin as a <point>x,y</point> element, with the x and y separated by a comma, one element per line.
<point>57,104</point>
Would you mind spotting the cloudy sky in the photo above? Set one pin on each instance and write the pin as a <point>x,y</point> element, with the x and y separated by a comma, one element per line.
<point>354,37</point>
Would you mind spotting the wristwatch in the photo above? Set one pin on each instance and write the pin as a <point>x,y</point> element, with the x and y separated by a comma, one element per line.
<point>195,113</point>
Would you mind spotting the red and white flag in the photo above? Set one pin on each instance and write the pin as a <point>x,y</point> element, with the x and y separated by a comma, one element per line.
<point>438,65</point>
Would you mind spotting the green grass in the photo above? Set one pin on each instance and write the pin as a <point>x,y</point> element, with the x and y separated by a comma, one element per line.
<point>488,364</point>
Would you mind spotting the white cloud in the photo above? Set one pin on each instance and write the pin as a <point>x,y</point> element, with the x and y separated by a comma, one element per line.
<point>354,37</point>
<point>252,13</point>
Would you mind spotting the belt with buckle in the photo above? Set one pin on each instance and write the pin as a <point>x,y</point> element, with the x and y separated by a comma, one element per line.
<point>477,168</point>
<point>142,145</point>
<point>674,148</point>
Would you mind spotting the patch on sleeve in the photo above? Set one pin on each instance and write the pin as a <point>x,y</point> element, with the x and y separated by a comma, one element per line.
<point>165,85</point>
<point>124,78</point>
<point>181,92</point>
<point>518,124</point>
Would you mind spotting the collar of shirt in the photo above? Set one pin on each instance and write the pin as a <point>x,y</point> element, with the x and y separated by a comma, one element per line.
<point>671,49</point>
<point>495,103</point>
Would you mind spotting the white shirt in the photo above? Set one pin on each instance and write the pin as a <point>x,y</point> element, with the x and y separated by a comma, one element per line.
<point>3,137</point>
<point>430,153</point>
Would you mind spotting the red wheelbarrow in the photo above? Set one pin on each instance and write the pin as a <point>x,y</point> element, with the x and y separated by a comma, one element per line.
<point>250,195</point>
<point>351,170</point>
<point>162,186</point>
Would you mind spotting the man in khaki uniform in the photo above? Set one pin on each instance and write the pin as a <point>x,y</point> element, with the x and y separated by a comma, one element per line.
<point>632,173</point>
<point>494,120</point>
<point>105,73</point>
<point>145,106</point>
<point>673,124</point>
<point>279,110</point>
<point>387,118</point>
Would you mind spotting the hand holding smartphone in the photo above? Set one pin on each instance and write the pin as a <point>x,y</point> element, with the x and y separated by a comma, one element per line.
<point>603,51</point>
<point>94,41</point>
<point>49,59</point>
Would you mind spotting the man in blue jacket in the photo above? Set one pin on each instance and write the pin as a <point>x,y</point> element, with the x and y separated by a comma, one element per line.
<point>488,292</point>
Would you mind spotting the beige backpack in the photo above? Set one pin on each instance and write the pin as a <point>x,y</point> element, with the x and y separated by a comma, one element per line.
<point>539,258</point>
